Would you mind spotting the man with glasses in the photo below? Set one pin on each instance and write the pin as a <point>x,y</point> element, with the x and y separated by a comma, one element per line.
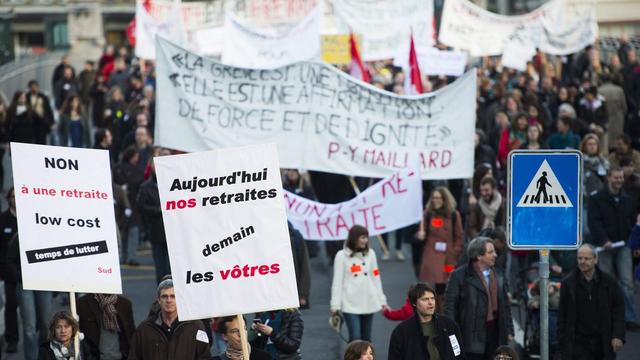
<point>591,315</point>
<point>162,337</point>
<point>229,327</point>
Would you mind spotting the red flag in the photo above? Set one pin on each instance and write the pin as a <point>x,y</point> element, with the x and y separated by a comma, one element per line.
<point>357,67</point>
<point>413,77</point>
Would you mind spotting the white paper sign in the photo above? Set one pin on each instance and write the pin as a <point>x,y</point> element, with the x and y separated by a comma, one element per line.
<point>434,61</point>
<point>388,205</point>
<point>147,28</point>
<point>384,25</point>
<point>65,213</point>
<point>253,48</point>
<point>227,232</point>
<point>321,118</point>
<point>557,28</point>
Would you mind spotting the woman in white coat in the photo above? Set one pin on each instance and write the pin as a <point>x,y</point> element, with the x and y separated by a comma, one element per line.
<point>356,290</point>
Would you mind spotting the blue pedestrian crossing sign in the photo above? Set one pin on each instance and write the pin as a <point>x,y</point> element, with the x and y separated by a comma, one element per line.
<point>544,199</point>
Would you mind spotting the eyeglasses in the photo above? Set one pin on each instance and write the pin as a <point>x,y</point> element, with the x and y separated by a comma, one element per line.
<point>166,297</point>
<point>503,357</point>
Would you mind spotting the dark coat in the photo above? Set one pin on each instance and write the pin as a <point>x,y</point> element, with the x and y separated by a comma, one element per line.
<point>407,341</point>
<point>150,343</point>
<point>45,352</point>
<point>610,220</point>
<point>8,228</point>
<point>300,262</point>
<point>288,338</point>
<point>150,209</point>
<point>91,322</point>
<point>466,303</point>
<point>610,314</point>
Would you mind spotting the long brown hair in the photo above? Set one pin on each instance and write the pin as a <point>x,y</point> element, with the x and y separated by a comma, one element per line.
<point>356,348</point>
<point>66,106</point>
<point>448,202</point>
<point>66,316</point>
<point>352,240</point>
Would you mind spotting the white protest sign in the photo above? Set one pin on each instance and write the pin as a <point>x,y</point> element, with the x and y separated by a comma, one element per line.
<point>388,205</point>
<point>434,61</point>
<point>321,118</point>
<point>384,25</point>
<point>253,48</point>
<point>556,28</point>
<point>147,28</point>
<point>66,221</point>
<point>227,232</point>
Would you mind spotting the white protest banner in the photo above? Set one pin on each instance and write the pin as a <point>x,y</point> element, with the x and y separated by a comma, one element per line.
<point>388,205</point>
<point>256,49</point>
<point>227,232</point>
<point>147,28</point>
<point>384,25</point>
<point>434,61</point>
<point>321,118</point>
<point>66,220</point>
<point>556,28</point>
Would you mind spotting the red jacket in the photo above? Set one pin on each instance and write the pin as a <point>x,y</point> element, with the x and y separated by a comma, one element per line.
<point>405,312</point>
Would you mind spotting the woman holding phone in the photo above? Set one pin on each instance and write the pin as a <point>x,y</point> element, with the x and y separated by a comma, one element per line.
<point>279,333</point>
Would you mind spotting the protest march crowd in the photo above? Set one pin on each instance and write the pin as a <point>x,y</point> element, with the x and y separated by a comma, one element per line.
<point>468,281</point>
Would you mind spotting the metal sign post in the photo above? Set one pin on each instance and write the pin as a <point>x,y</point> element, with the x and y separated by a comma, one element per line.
<point>544,304</point>
<point>544,212</point>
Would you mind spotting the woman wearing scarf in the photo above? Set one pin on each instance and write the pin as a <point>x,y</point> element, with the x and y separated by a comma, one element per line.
<point>106,320</point>
<point>62,330</point>
<point>279,333</point>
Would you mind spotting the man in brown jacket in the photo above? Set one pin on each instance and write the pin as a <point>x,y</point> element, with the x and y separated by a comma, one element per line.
<point>163,337</point>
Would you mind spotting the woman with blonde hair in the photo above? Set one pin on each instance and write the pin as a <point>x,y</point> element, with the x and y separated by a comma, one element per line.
<point>441,231</point>
<point>63,328</point>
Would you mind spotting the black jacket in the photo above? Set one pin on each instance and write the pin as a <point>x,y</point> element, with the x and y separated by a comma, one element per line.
<point>610,314</point>
<point>8,228</point>
<point>407,341</point>
<point>91,323</point>
<point>288,338</point>
<point>150,210</point>
<point>610,220</point>
<point>45,352</point>
<point>466,303</point>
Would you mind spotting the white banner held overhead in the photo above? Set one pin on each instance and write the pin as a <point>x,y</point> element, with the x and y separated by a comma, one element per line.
<point>227,232</point>
<point>321,118</point>
<point>388,205</point>
<point>434,61</point>
<point>253,48</point>
<point>64,203</point>
<point>147,28</point>
<point>384,25</point>
<point>556,28</point>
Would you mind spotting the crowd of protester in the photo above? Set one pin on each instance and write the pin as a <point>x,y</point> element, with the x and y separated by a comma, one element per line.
<point>468,277</point>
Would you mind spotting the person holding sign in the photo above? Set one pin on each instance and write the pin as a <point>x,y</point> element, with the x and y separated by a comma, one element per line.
<point>357,289</point>
<point>163,337</point>
<point>63,328</point>
<point>279,332</point>
<point>229,327</point>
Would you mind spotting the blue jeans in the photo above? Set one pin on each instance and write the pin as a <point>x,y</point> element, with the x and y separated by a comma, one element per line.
<point>161,260</point>
<point>618,263</point>
<point>359,326</point>
<point>35,309</point>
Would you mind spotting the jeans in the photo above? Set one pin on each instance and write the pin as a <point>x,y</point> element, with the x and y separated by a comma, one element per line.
<point>130,241</point>
<point>35,308</point>
<point>359,326</point>
<point>161,260</point>
<point>618,263</point>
